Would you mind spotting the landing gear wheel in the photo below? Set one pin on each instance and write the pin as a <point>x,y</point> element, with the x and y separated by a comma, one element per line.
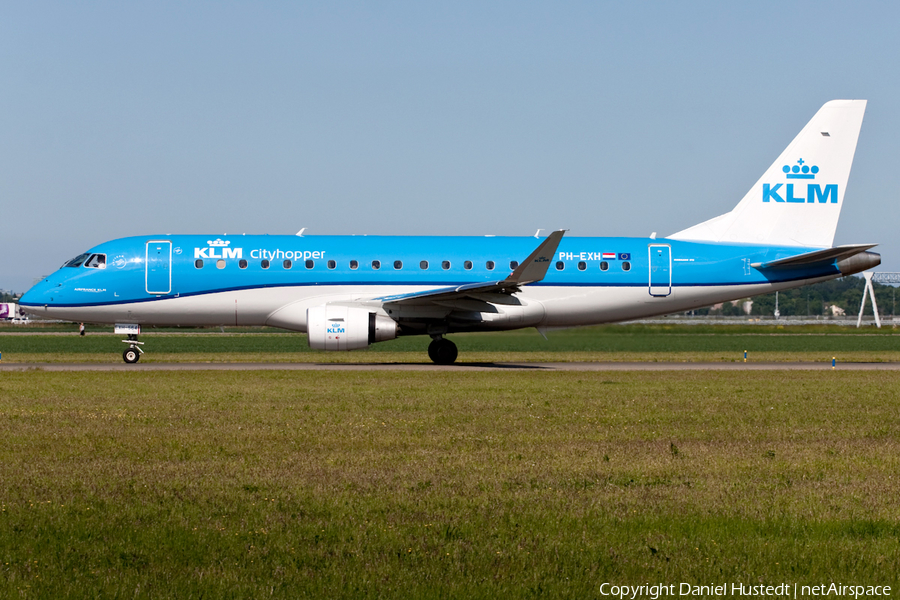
<point>131,355</point>
<point>442,352</point>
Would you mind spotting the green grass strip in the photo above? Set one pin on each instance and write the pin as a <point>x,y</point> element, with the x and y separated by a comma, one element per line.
<point>434,485</point>
<point>608,343</point>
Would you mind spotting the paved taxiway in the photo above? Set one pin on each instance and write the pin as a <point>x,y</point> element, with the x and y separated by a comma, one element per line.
<point>458,368</point>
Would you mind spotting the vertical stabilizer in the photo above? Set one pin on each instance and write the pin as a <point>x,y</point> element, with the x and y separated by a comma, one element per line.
<point>798,200</point>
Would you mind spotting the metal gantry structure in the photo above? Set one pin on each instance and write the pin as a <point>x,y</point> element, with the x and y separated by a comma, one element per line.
<point>886,277</point>
<point>870,276</point>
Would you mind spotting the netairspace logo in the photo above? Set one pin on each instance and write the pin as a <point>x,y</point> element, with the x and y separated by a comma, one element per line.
<point>814,193</point>
<point>741,590</point>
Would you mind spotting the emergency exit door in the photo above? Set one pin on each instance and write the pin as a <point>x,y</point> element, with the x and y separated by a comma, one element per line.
<point>660,270</point>
<point>158,264</point>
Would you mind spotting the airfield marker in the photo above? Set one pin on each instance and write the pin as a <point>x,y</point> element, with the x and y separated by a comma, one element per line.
<point>832,363</point>
<point>745,356</point>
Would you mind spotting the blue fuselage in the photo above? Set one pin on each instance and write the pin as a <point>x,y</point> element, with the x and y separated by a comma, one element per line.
<point>606,279</point>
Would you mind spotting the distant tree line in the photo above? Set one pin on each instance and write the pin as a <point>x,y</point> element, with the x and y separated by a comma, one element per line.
<point>6,296</point>
<point>812,300</point>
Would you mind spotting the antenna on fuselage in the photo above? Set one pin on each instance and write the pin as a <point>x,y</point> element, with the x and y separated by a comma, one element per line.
<point>538,232</point>
<point>300,233</point>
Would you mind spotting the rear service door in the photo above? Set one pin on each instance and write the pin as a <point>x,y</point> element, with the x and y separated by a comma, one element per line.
<point>660,270</point>
<point>159,267</point>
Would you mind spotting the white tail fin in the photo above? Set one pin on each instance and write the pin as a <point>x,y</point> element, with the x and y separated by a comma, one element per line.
<point>798,200</point>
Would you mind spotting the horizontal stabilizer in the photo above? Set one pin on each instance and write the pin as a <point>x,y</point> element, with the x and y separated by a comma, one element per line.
<point>816,257</point>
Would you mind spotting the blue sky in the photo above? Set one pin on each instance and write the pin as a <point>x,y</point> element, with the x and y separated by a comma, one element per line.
<point>450,118</point>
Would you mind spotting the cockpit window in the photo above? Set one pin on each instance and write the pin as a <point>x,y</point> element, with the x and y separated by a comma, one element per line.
<point>76,262</point>
<point>96,261</point>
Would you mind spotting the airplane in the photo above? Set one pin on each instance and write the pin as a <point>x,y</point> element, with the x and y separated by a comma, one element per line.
<point>348,292</point>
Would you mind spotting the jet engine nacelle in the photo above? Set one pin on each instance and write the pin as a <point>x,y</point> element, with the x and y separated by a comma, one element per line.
<point>333,327</point>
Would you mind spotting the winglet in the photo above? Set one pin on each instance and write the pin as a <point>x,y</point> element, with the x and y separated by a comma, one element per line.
<point>535,266</point>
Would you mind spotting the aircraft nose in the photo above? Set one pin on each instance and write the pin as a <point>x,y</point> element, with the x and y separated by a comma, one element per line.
<point>41,293</point>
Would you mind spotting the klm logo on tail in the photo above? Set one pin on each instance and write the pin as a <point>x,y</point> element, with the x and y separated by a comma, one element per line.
<point>815,193</point>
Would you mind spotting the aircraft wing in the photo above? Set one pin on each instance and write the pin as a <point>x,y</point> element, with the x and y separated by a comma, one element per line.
<point>531,270</point>
<point>816,257</point>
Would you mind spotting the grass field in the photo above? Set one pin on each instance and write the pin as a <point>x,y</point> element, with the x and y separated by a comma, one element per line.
<point>639,342</point>
<point>404,485</point>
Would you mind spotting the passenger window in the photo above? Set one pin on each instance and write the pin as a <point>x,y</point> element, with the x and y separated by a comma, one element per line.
<point>354,264</point>
<point>560,265</point>
<point>264,264</point>
<point>310,264</point>
<point>582,266</point>
<point>398,264</point>
<point>604,266</point>
<point>513,264</point>
<point>198,264</point>
<point>220,264</point>
<point>331,264</point>
<point>423,264</point>
<point>445,265</point>
<point>96,261</point>
<point>626,266</point>
<point>489,265</point>
<point>287,264</point>
<point>242,263</point>
<point>376,264</point>
<point>467,265</point>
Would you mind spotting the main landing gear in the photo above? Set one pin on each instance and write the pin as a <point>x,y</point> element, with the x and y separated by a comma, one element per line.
<point>442,351</point>
<point>133,352</point>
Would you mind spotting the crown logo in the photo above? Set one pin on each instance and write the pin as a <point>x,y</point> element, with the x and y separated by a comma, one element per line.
<point>218,243</point>
<point>800,170</point>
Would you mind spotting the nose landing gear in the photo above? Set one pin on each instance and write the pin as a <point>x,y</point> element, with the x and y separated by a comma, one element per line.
<point>133,352</point>
<point>442,351</point>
